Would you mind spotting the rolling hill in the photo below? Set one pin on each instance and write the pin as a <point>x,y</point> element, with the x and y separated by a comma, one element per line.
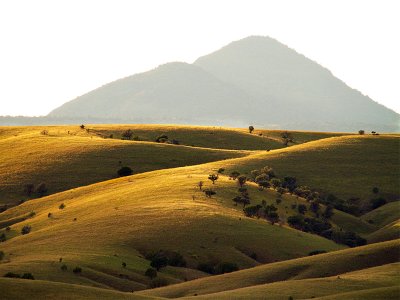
<point>256,80</point>
<point>110,227</point>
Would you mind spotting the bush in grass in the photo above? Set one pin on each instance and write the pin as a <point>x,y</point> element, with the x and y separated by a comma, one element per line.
<point>301,208</point>
<point>1,255</point>
<point>127,134</point>
<point>124,171</point>
<point>316,252</point>
<point>3,237</point>
<point>220,170</point>
<point>41,189</point>
<point>77,270</point>
<point>209,193</point>
<point>124,264</point>
<point>241,180</point>
<point>29,189</point>
<point>159,261</point>
<point>27,276</point>
<point>12,275</point>
<point>26,229</point>
<point>62,206</point>
<point>151,273</point>
<point>64,268</point>
<point>234,175</point>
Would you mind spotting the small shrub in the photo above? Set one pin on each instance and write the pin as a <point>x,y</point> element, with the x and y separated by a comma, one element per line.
<point>3,237</point>
<point>316,252</point>
<point>124,264</point>
<point>162,138</point>
<point>126,135</point>
<point>27,276</point>
<point>64,268</point>
<point>221,170</point>
<point>8,228</point>
<point>1,255</point>
<point>361,132</point>
<point>125,171</point>
<point>62,206</point>
<point>234,175</point>
<point>209,193</point>
<point>251,129</point>
<point>26,229</point>
<point>82,126</point>
<point>49,215</point>
<point>12,275</point>
<point>44,132</point>
<point>41,189</point>
<point>213,178</point>
<point>32,214</point>
<point>151,273</point>
<point>77,270</point>
<point>29,189</point>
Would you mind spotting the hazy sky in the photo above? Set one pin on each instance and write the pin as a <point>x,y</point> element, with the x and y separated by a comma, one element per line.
<point>53,51</point>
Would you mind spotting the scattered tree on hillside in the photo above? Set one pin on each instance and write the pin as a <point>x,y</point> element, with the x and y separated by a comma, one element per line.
<point>241,180</point>
<point>29,189</point>
<point>162,138</point>
<point>26,229</point>
<point>62,206</point>
<point>127,134</point>
<point>234,175</point>
<point>3,237</point>
<point>125,171</point>
<point>328,212</point>
<point>200,185</point>
<point>41,189</point>
<point>213,178</point>
<point>221,170</point>
<point>124,264</point>
<point>251,129</point>
<point>209,193</point>
<point>361,132</point>
<point>301,208</point>
<point>286,138</point>
<point>159,261</point>
<point>77,270</point>
<point>82,126</point>
<point>276,182</point>
<point>289,183</point>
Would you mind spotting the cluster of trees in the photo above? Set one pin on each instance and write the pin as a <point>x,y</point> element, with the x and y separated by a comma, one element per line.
<point>40,190</point>
<point>322,227</point>
<point>215,267</point>
<point>162,258</point>
<point>268,212</point>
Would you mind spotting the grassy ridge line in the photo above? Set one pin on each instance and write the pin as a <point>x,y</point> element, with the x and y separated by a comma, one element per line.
<point>323,265</point>
<point>387,293</point>
<point>19,289</point>
<point>371,278</point>
<point>383,215</point>
<point>389,232</point>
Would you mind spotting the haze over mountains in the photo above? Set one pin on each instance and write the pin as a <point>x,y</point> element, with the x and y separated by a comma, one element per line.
<point>256,80</point>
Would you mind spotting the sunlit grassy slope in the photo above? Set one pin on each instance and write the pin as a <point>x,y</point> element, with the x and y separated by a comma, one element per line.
<point>384,277</point>
<point>289,276</point>
<point>119,220</point>
<point>348,166</point>
<point>65,161</point>
<point>383,215</point>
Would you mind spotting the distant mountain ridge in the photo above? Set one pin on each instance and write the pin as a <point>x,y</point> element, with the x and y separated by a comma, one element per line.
<point>256,80</point>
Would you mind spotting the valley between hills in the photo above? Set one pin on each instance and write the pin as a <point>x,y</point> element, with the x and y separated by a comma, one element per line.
<point>197,212</point>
